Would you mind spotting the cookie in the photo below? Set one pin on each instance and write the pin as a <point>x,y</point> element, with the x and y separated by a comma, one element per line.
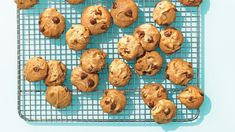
<point>148,35</point>
<point>164,13</point>
<point>171,40</point>
<point>83,81</point>
<point>25,4</point>
<point>113,101</point>
<point>96,18</point>
<point>119,73</point>
<point>75,1</point>
<point>56,73</point>
<point>191,2</point>
<point>93,60</point>
<point>179,72</point>
<point>192,97</point>
<point>124,12</point>
<point>77,37</point>
<point>152,93</point>
<point>35,69</point>
<point>129,47</point>
<point>164,111</point>
<point>149,64</point>
<point>58,96</point>
<point>51,23</point>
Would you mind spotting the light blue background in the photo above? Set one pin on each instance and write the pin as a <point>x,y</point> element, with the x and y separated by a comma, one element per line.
<point>217,113</point>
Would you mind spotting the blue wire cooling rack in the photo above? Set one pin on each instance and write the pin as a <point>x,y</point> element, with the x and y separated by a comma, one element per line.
<point>85,106</point>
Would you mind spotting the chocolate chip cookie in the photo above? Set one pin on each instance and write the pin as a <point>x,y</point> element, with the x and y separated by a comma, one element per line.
<point>75,1</point>
<point>56,73</point>
<point>179,72</point>
<point>85,82</point>
<point>124,12</point>
<point>129,47</point>
<point>149,64</point>
<point>171,40</point>
<point>164,13</point>
<point>152,93</point>
<point>191,2</point>
<point>119,73</point>
<point>25,4</point>
<point>164,111</point>
<point>192,97</point>
<point>35,69</point>
<point>58,96</point>
<point>93,60</point>
<point>77,37</point>
<point>148,35</point>
<point>113,101</point>
<point>51,23</point>
<point>97,18</point>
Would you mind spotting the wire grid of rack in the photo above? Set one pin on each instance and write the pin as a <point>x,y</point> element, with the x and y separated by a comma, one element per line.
<point>85,106</point>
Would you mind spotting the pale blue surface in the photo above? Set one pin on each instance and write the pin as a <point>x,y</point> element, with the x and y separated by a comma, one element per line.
<point>219,75</point>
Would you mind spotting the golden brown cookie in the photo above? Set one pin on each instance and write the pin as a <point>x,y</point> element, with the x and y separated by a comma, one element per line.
<point>164,13</point>
<point>124,12</point>
<point>113,101</point>
<point>179,72</point>
<point>119,73</point>
<point>129,47</point>
<point>171,40</point>
<point>148,35</point>
<point>192,97</point>
<point>152,93</point>
<point>25,4</point>
<point>56,73</point>
<point>164,111</point>
<point>52,23</point>
<point>58,96</point>
<point>35,69</point>
<point>85,82</point>
<point>77,37</point>
<point>191,2</point>
<point>96,18</point>
<point>75,1</point>
<point>149,64</point>
<point>93,60</point>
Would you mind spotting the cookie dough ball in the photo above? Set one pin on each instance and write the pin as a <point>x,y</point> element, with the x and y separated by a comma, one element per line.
<point>25,4</point>
<point>152,93</point>
<point>129,47</point>
<point>149,64</point>
<point>113,101</point>
<point>58,96</point>
<point>56,73</point>
<point>52,23</point>
<point>171,40</point>
<point>35,69</point>
<point>119,73</point>
<point>75,1</point>
<point>77,37</point>
<point>164,111</point>
<point>191,2</point>
<point>192,97</point>
<point>124,12</point>
<point>83,81</point>
<point>93,60</point>
<point>179,72</point>
<point>96,18</point>
<point>148,35</point>
<point>164,13</point>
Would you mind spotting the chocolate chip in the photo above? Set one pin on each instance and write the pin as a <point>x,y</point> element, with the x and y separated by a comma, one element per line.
<point>107,102</point>
<point>56,20</point>
<point>83,76</point>
<point>167,111</point>
<point>201,93</point>
<point>75,41</point>
<point>154,67</point>
<point>114,5</point>
<point>141,34</point>
<point>91,68</point>
<point>144,95</point>
<point>36,69</point>
<point>167,76</point>
<point>98,12</point>
<point>167,33</point>
<point>190,98</point>
<point>90,82</point>
<point>113,106</point>
<point>157,87</point>
<point>42,29</point>
<point>119,110</point>
<point>150,39</point>
<point>128,13</point>
<point>151,105</point>
<point>39,22</point>
<point>126,51</point>
<point>66,89</point>
<point>93,21</point>
<point>104,27</point>
<point>189,75</point>
<point>166,68</point>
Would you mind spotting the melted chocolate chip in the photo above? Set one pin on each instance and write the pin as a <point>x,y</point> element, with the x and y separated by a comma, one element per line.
<point>157,87</point>
<point>167,111</point>
<point>128,13</point>
<point>107,102</point>
<point>114,5</point>
<point>36,69</point>
<point>150,39</point>
<point>190,98</point>
<point>104,27</point>
<point>56,20</point>
<point>83,76</point>
<point>167,76</point>
<point>113,106</point>
<point>90,82</point>
<point>141,34</point>
<point>42,29</point>
<point>189,75</point>
<point>151,105</point>
<point>93,21</point>
<point>126,51</point>
<point>154,67</point>
<point>167,33</point>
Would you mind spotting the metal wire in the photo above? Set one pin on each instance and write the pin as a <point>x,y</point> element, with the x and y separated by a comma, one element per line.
<point>85,106</point>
